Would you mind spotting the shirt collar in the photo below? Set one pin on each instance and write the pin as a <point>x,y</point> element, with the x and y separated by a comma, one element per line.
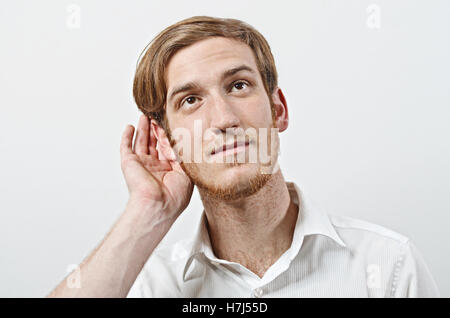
<point>311,220</point>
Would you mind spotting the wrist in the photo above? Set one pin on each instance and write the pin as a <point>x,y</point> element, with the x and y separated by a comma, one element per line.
<point>147,216</point>
<point>139,203</point>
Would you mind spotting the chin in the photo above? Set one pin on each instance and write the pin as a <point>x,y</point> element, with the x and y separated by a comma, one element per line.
<point>234,174</point>
<point>230,181</point>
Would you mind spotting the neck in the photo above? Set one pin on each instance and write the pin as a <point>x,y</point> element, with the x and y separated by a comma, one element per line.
<point>254,231</point>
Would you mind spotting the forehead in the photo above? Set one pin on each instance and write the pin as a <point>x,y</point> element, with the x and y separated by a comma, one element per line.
<point>209,57</point>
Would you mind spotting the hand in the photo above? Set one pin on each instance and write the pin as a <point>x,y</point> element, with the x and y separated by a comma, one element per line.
<point>151,177</point>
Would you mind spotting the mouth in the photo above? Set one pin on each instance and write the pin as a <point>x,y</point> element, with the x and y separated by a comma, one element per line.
<point>231,148</point>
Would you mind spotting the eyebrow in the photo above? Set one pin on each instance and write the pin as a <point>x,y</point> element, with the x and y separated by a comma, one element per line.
<point>193,85</point>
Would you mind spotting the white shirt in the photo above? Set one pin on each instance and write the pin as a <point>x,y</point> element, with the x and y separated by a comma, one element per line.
<point>330,256</point>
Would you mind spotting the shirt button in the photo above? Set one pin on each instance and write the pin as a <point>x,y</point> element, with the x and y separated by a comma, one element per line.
<point>258,292</point>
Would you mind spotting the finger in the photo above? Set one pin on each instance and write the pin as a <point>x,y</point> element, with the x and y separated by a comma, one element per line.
<point>142,136</point>
<point>153,140</point>
<point>165,150</point>
<point>176,166</point>
<point>127,140</point>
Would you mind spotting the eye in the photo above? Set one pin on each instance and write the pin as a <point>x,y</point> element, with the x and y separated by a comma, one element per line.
<point>238,85</point>
<point>190,100</point>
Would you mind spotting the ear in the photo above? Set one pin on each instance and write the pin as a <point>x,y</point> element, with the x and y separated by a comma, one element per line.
<point>165,151</point>
<point>281,109</point>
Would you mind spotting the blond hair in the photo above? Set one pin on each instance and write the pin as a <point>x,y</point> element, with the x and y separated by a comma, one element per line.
<point>149,88</point>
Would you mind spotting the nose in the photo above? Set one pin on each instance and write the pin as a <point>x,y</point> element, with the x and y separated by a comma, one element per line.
<point>222,115</point>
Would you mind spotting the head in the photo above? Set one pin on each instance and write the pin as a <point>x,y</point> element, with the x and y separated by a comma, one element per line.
<point>207,82</point>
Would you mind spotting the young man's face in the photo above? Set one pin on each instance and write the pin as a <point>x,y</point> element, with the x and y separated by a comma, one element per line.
<point>225,107</point>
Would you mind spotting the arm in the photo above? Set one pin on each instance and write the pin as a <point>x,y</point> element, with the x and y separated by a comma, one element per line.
<point>113,266</point>
<point>413,278</point>
<point>159,192</point>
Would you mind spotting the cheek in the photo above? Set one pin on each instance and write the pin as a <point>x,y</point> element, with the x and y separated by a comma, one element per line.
<point>257,113</point>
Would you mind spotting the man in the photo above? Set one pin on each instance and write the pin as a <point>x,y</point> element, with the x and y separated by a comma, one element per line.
<point>258,235</point>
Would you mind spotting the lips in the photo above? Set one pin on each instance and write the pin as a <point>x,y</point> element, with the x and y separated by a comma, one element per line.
<point>230,146</point>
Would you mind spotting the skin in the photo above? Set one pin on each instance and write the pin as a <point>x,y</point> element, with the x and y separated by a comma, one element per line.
<point>250,216</point>
<point>256,225</point>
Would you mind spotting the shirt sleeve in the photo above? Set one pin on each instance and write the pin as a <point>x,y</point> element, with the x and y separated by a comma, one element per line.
<point>412,278</point>
<point>141,286</point>
<point>135,290</point>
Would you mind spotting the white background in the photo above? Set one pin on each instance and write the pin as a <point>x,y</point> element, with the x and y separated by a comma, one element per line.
<point>368,134</point>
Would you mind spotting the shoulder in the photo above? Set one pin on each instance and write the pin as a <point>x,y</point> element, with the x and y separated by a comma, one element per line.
<point>376,244</point>
<point>358,229</point>
<point>371,243</point>
<point>162,273</point>
<point>174,251</point>
<point>170,257</point>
